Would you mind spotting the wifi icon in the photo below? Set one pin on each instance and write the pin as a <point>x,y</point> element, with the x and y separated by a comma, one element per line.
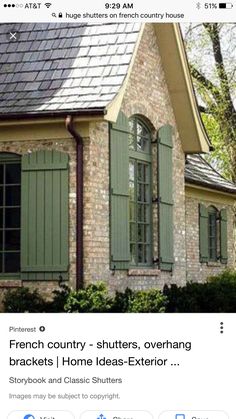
<point>48,5</point>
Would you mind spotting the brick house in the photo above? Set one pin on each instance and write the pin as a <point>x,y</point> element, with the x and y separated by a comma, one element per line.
<point>101,168</point>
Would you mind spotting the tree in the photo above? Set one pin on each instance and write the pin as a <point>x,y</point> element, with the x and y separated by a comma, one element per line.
<point>211,49</point>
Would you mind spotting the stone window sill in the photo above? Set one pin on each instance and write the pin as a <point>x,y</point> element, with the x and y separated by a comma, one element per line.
<point>10,283</point>
<point>214,264</point>
<point>144,272</point>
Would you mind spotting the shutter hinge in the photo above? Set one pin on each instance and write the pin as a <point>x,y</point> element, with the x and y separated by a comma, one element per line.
<point>156,200</point>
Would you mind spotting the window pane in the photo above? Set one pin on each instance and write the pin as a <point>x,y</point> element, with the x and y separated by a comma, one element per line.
<point>131,142</point>
<point>140,172</point>
<point>131,170</point>
<point>140,192</point>
<point>212,236</point>
<point>131,211</point>
<point>146,173</point>
<point>12,262</point>
<point>12,240</point>
<point>131,190</point>
<point>140,253</point>
<point>146,253</point>
<point>132,125</point>
<point>1,174</point>
<point>143,144</point>
<point>146,193</point>
<point>13,173</point>
<point>12,196</point>
<point>146,213</point>
<point>1,218</point>
<point>140,212</point>
<point>145,234</point>
<point>1,270</point>
<point>132,254</point>
<point>132,232</point>
<point>142,130</point>
<point>140,233</point>
<point>12,218</point>
<point>1,240</point>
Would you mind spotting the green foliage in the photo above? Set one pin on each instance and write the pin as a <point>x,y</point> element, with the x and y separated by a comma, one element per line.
<point>60,296</point>
<point>92,299</point>
<point>219,157</point>
<point>150,301</point>
<point>217,295</point>
<point>22,300</point>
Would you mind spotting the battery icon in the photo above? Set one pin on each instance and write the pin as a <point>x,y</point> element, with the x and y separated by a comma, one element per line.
<point>225,5</point>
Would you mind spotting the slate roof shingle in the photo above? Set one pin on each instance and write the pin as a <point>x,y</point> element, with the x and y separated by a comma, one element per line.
<point>199,171</point>
<point>59,67</point>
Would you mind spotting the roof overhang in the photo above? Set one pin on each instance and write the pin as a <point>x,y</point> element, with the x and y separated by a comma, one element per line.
<point>206,193</point>
<point>175,65</point>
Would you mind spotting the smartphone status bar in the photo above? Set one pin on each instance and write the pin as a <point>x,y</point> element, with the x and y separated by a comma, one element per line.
<point>168,11</point>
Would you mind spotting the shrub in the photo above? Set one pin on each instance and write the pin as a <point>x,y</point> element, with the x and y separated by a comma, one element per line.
<point>217,295</point>
<point>150,301</point>
<point>22,300</point>
<point>92,299</point>
<point>60,296</point>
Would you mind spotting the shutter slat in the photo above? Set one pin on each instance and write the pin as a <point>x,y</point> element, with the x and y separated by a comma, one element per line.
<point>165,188</point>
<point>223,236</point>
<point>119,184</point>
<point>203,233</point>
<point>44,242</point>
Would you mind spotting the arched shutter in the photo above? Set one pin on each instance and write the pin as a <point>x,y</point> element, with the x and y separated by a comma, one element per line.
<point>223,236</point>
<point>44,215</point>
<point>165,182</point>
<point>203,233</point>
<point>119,193</point>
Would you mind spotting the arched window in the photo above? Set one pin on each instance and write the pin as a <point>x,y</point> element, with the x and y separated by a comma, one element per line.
<point>140,196</point>
<point>10,200</point>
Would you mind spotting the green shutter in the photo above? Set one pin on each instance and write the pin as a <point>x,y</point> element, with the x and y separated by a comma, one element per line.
<point>44,215</point>
<point>203,233</point>
<point>119,193</point>
<point>165,182</point>
<point>223,236</point>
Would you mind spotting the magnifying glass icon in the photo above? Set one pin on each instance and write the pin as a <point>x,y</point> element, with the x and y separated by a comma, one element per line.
<point>54,15</point>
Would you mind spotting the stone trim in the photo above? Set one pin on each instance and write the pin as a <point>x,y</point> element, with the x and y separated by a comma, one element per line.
<point>10,283</point>
<point>144,272</point>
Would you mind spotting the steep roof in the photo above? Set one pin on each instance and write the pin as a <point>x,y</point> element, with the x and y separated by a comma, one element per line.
<point>199,172</point>
<point>63,66</point>
<point>80,68</point>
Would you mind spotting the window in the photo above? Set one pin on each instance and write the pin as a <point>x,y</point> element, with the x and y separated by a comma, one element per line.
<point>213,234</point>
<point>131,235</point>
<point>34,246</point>
<point>10,194</point>
<point>140,210</point>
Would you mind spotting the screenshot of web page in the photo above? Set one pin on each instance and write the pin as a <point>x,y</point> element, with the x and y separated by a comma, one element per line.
<point>117,210</point>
